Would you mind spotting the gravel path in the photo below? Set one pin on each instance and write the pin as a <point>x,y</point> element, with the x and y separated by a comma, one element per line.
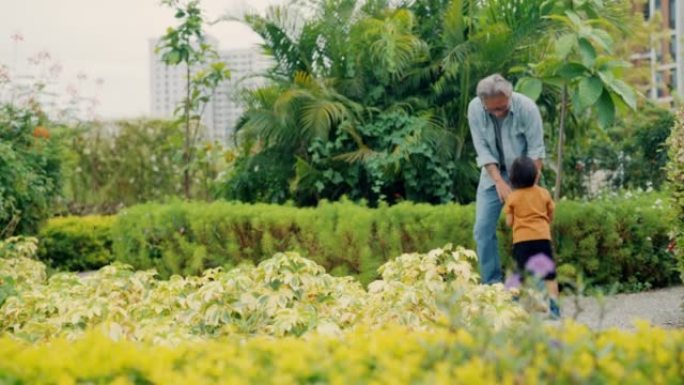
<point>661,307</point>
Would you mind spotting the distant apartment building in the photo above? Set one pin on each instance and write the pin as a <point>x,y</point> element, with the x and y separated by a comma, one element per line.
<point>245,65</point>
<point>168,88</point>
<point>666,55</point>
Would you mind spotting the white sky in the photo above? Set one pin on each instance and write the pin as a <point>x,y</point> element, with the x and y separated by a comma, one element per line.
<point>107,39</point>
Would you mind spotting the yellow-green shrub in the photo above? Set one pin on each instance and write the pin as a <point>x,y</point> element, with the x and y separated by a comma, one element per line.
<point>569,354</point>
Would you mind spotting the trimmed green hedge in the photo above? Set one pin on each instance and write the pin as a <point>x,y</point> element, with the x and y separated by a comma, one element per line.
<point>675,177</point>
<point>343,237</point>
<point>609,241</point>
<point>76,243</point>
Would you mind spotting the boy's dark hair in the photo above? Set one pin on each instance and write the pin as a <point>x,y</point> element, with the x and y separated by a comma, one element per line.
<point>523,172</point>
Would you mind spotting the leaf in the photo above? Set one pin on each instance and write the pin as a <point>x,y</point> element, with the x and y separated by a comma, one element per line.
<point>624,91</point>
<point>607,63</point>
<point>602,38</point>
<point>572,70</point>
<point>574,18</point>
<point>172,57</point>
<point>554,81</point>
<point>606,109</point>
<point>530,87</point>
<point>453,24</point>
<point>565,44</point>
<point>587,52</point>
<point>590,89</point>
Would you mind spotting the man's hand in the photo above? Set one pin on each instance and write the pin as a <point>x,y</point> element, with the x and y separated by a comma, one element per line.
<point>539,164</point>
<point>503,190</point>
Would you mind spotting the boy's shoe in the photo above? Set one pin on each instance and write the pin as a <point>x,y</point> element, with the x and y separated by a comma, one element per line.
<point>554,309</point>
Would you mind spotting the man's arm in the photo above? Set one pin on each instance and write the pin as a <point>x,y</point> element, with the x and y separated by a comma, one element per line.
<point>494,173</point>
<point>550,207</point>
<point>539,163</point>
<point>485,157</point>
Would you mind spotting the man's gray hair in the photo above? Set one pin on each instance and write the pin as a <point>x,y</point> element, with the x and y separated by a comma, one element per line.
<point>494,85</point>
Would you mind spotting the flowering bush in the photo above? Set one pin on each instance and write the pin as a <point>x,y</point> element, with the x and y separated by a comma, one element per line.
<point>29,169</point>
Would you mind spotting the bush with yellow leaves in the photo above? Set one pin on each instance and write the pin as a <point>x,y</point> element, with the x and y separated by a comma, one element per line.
<point>531,354</point>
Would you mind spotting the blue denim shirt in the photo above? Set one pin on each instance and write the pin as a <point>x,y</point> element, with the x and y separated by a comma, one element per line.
<point>522,133</point>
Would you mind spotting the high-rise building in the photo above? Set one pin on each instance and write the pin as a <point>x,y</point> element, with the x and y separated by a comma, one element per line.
<point>245,65</point>
<point>666,55</point>
<point>168,88</point>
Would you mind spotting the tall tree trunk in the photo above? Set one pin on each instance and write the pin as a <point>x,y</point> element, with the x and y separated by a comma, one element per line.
<point>186,149</point>
<point>561,137</point>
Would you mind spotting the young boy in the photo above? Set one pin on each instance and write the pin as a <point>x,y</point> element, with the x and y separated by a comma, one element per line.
<point>529,210</point>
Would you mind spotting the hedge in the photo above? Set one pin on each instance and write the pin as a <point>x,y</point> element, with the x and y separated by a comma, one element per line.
<point>571,354</point>
<point>675,177</point>
<point>76,243</point>
<point>615,240</point>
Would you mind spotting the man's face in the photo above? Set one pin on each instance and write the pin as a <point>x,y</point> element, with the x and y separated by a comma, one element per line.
<point>497,105</point>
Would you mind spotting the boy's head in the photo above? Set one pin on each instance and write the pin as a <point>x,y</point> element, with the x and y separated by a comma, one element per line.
<point>523,172</point>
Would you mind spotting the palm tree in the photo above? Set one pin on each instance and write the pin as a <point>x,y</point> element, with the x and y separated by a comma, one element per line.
<point>349,63</point>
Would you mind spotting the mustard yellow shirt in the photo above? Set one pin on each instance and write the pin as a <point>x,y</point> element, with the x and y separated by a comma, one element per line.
<point>532,209</point>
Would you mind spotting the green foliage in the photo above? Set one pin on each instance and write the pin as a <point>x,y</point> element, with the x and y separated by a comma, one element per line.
<point>633,153</point>
<point>263,177</point>
<point>399,160</point>
<point>123,163</point>
<point>616,241</point>
<point>18,271</point>
<point>7,288</point>
<point>348,71</point>
<point>29,169</point>
<point>76,243</point>
<point>345,238</point>
<point>675,176</point>
<point>582,69</point>
<point>187,45</point>
<point>344,66</point>
<point>621,241</point>
<point>285,294</point>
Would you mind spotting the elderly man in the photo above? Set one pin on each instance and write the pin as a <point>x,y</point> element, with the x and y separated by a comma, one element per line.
<point>504,125</point>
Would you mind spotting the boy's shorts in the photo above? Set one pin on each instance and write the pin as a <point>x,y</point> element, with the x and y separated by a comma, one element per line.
<point>523,251</point>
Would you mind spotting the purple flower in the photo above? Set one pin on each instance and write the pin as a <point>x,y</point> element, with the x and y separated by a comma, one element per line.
<point>540,265</point>
<point>513,281</point>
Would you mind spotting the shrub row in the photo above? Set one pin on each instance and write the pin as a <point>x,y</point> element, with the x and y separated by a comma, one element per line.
<point>675,176</point>
<point>614,240</point>
<point>571,354</point>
